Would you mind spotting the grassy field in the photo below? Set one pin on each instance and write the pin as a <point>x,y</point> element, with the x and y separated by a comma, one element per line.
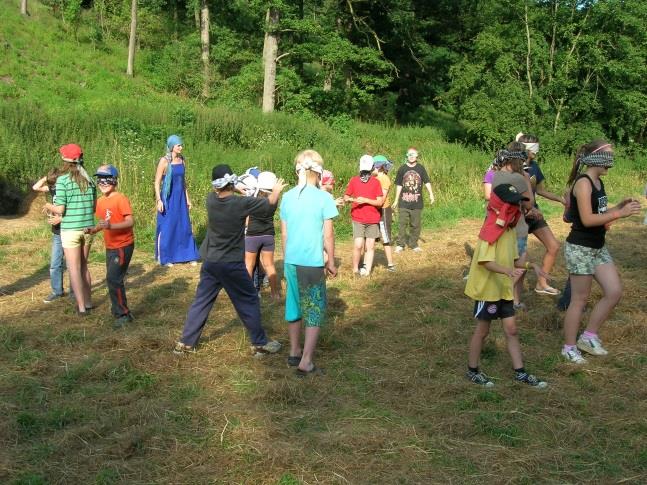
<point>82,403</point>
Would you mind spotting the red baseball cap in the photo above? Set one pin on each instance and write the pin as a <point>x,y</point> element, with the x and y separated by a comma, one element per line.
<point>71,152</point>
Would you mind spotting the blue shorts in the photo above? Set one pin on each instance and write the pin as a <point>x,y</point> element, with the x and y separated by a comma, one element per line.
<point>305,297</point>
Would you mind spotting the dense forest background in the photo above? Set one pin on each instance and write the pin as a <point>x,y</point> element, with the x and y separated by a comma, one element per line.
<point>568,70</point>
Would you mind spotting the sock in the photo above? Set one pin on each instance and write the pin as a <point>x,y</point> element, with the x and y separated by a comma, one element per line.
<point>520,370</point>
<point>568,348</point>
<point>473,369</point>
<point>587,334</point>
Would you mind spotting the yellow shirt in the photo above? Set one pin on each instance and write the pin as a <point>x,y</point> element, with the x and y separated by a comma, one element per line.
<point>486,285</point>
<point>385,182</point>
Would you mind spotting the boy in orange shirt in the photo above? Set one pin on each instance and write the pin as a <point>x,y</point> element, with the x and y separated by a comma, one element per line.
<point>116,221</point>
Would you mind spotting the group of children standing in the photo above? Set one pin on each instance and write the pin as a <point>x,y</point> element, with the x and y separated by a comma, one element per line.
<point>500,258</point>
<point>240,234</point>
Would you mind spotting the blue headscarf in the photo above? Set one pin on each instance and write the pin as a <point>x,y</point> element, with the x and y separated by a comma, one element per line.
<point>171,141</point>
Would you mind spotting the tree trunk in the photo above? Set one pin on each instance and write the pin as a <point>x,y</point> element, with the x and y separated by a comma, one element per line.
<point>23,7</point>
<point>132,39</point>
<point>528,75</point>
<point>270,50</point>
<point>204,40</point>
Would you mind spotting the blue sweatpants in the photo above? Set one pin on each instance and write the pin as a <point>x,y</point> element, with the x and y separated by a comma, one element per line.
<point>235,279</point>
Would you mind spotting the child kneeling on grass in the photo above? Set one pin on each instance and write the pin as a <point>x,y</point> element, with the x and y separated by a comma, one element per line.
<point>116,221</point>
<point>493,269</point>
<point>223,262</point>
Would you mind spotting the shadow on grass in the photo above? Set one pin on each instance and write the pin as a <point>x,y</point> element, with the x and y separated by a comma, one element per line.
<point>26,282</point>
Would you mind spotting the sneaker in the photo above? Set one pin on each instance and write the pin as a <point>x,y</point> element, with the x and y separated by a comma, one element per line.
<point>399,249</point>
<point>181,348</point>
<point>479,378</point>
<point>193,263</point>
<point>531,380</point>
<point>591,345</point>
<point>51,297</point>
<point>294,360</point>
<point>169,265</point>
<point>391,268</point>
<point>271,347</point>
<point>417,249</point>
<point>363,271</point>
<point>573,356</point>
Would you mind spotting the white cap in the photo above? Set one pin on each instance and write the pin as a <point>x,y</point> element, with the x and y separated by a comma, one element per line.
<point>266,181</point>
<point>366,163</point>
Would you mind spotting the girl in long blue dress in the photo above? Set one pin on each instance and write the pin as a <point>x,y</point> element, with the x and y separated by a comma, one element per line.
<point>174,241</point>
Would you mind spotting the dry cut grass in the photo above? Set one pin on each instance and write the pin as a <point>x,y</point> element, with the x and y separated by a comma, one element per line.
<point>81,403</point>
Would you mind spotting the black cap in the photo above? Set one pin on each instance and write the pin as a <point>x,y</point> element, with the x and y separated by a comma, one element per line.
<point>509,193</point>
<point>219,171</point>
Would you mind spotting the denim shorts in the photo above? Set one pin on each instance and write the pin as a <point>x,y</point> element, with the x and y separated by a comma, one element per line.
<point>581,260</point>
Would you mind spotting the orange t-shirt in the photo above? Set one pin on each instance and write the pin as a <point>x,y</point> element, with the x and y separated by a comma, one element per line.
<point>114,209</point>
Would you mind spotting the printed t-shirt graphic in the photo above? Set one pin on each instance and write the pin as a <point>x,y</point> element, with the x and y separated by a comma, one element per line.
<point>411,179</point>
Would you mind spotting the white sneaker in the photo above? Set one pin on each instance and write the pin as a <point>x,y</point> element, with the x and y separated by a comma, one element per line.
<point>399,249</point>
<point>573,356</point>
<point>591,345</point>
<point>363,271</point>
<point>271,347</point>
<point>417,249</point>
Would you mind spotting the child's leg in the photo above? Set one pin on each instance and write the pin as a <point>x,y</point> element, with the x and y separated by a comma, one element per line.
<point>369,254</point>
<point>85,271</point>
<point>512,340</point>
<point>404,225</point>
<point>545,235</point>
<point>309,345</point>
<point>117,261</point>
<point>580,291</point>
<point>476,343</point>
<point>73,260</point>
<point>294,332</point>
<point>267,261</point>
<point>205,296</point>
<point>358,244</point>
<point>236,282</point>
<point>388,252</point>
<point>607,277</point>
<point>56,265</point>
<point>415,217</point>
<point>250,262</point>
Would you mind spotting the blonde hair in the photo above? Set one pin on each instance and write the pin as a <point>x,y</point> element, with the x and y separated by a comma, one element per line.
<point>75,175</point>
<point>308,154</point>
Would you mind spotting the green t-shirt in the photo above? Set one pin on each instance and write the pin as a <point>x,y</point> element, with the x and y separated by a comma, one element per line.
<point>79,206</point>
<point>486,285</point>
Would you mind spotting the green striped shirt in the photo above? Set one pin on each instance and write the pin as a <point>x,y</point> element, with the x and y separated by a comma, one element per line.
<point>79,206</point>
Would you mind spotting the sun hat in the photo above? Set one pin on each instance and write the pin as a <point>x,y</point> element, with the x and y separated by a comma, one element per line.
<point>366,163</point>
<point>266,181</point>
<point>247,184</point>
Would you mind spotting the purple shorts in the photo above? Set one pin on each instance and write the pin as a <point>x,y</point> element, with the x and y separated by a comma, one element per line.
<point>255,244</point>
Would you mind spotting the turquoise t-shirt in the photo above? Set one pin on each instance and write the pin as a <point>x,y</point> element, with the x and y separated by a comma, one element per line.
<point>304,211</point>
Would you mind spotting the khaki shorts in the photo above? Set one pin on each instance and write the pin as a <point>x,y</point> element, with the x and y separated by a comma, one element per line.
<point>581,260</point>
<point>74,239</point>
<point>370,231</point>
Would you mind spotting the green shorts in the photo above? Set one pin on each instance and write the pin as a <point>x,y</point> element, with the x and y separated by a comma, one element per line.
<point>305,297</point>
<point>581,260</point>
